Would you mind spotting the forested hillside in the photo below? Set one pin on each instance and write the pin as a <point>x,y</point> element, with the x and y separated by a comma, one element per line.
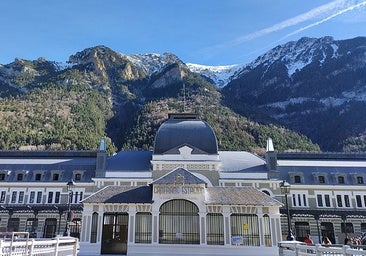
<point>101,93</point>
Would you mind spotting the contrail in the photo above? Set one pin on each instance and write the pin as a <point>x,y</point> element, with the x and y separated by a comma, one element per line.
<point>328,11</point>
<point>325,19</point>
<point>318,11</point>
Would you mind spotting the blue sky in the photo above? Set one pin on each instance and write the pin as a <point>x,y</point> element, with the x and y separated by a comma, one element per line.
<point>209,32</point>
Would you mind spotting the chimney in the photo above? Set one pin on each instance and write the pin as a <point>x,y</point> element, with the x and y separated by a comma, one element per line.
<point>271,160</point>
<point>101,159</point>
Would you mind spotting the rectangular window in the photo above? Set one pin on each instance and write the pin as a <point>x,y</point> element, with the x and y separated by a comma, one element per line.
<point>339,201</point>
<point>57,198</point>
<point>20,176</point>
<point>2,198</point>
<point>39,197</point>
<point>346,201</point>
<point>363,227</point>
<point>358,201</point>
<point>302,230</point>
<point>323,200</point>
<point>299,198</point>
<point>320,200</point>
<point>50,197</point>
<point>55,176</point>
<point>143,228</point>
<point>215,229</point>
<point>14,197</point>
<point>327,200</point>
<point>240,223</point>
<point>348,228</point>
<point>359,180</point>
<point>81,196</point>
<point>340,180</point>
<point>21,197</point>
<point>38,177</point>
<point>31,225</point>
<point>321,179</point>
<point>77,176</point>
<point>31,197</point>
<point>2,176</point>
<point>297,179</point>
<point>76,197</point>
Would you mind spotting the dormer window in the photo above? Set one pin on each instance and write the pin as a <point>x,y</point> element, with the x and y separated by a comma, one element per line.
<point>359,180</point>
<point>55,176</point>
<point>321,179</point>
<point>77,176</point>
<point>37,176</point>
<point>297,179</point>
<point>340,179</point>
<point>20,176</point>
<point>2,176</point>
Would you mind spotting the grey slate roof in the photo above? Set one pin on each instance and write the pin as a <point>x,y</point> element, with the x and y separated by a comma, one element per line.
<point>175,133</point>
<point>248,196</point>
<point>239,161</point>
<point>171,178</point>
<point>330,165</point>
<point>45,162</point>
<point>121,194</point>
<point>129,161</point>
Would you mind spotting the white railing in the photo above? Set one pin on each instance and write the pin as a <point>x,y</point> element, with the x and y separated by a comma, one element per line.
<point>23,246</point>
<point>294,248</point>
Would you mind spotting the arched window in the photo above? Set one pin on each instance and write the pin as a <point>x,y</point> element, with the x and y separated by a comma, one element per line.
<point>179,223</point>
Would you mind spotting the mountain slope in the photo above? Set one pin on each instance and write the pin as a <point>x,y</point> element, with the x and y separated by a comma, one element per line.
<point>45,105</point>
<point>314,86</point>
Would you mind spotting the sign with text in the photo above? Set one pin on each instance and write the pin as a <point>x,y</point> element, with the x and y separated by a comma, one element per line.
<point>178,190</point>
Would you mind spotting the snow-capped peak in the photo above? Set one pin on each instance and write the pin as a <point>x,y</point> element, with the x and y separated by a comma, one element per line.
<point>149,62</point>
<point>298,54</point>
<point>220,75</point>
<point>152,62</point>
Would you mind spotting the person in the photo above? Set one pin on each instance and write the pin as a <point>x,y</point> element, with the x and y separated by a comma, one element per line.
<point>326,240</point>
<point>347,241</point>
<point>308,239</point>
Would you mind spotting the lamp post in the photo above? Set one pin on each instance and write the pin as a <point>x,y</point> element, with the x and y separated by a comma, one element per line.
<point>70,185</point>
<point>285,189</point>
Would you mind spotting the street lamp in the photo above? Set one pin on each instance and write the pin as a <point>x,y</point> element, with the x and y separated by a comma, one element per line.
<point>70,185</point>
<point>285,189</point>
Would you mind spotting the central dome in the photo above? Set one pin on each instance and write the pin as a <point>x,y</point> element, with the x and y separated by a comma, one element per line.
<point>185,130</point>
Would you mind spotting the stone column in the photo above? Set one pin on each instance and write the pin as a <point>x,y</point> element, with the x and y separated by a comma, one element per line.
<point>227,230</point>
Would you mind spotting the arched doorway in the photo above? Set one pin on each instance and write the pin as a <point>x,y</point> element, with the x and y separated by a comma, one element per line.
<point>49,229</point>
<point>179,223</point>
<point>115,233</point>
<point>328,230</point>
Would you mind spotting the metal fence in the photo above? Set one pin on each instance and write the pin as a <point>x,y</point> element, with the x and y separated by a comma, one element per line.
<point>19,244</point>
<point>294,248</point>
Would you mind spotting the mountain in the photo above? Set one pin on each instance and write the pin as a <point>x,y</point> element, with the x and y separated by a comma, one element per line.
<point>315,86</point>
<point>102,93</point>
<point>219,75</point>
<point>303,94</point>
